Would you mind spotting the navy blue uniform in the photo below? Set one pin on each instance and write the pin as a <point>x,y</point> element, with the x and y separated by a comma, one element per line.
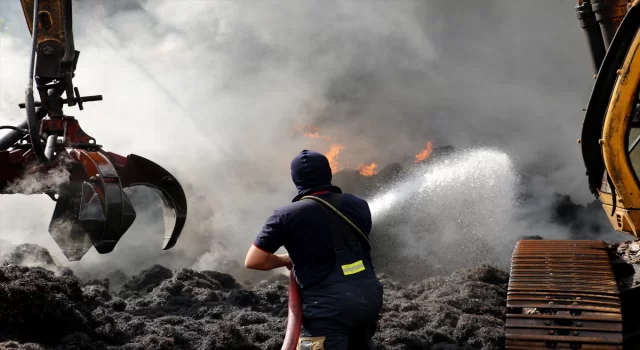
<point>341,296</point>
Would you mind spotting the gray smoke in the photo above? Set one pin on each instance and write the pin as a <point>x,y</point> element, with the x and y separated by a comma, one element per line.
<point>38,181</point>
<point>214,91</point>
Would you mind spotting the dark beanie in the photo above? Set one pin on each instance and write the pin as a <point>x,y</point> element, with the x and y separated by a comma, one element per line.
<point>310,169</point>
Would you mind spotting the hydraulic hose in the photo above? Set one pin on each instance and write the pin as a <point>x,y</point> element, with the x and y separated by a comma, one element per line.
<point>592,33</point>
<point>32,119</point>
<point>14,135</point>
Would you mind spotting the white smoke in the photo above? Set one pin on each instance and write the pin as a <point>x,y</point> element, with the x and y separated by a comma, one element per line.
<point>213,91</point>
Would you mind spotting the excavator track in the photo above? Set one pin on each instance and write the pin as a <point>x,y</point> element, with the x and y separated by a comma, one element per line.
<point>563,295</point>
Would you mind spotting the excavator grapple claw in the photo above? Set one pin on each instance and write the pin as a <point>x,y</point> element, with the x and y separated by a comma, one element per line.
<point>135,170</point>
<point>92,207</point>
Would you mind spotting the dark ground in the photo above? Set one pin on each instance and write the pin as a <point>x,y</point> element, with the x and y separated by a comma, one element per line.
<point>186,309</point>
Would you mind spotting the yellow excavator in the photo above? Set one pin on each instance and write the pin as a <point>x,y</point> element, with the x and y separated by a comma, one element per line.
<point>573,294</point>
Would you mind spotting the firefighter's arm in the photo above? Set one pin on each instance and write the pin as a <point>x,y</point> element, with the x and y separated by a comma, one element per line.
<point>261,254</point>
<point>258,259</point>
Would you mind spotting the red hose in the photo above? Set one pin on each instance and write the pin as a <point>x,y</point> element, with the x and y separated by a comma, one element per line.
<point>294,322</point>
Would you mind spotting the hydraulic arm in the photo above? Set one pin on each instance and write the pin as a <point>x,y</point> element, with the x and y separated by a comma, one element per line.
<point>580,294</point>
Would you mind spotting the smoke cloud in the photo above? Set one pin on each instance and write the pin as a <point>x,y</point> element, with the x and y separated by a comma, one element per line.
<point>37,181</point>
<point>213,91</point>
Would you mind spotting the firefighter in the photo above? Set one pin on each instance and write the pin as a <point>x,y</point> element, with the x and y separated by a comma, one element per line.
<point>326,234</point>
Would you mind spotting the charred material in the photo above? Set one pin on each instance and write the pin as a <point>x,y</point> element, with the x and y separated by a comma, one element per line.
<point>626,259</point>
<point>186,309</point>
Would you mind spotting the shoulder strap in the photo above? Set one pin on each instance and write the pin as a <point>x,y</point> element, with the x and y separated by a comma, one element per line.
<point>332,208</point>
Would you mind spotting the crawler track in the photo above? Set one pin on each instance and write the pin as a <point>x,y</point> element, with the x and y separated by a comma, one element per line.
<point>563,295</point>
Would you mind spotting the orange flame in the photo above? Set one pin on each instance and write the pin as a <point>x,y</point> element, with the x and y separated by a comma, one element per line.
<point>368,170</point>
<point>334,150</point>
<point>424,154</point>
<point>332,155</point>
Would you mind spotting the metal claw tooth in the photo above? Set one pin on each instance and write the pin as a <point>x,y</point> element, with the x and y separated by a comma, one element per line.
<point>93,209</point>
<point>139,171</point>
<point>128,212</point>
<point>65,228</point>
<point>105,218</point>
<point>91,213</point>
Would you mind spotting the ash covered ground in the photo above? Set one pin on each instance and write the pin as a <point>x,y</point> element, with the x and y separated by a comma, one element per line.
<point>44,306</point>
<point>47,307</point>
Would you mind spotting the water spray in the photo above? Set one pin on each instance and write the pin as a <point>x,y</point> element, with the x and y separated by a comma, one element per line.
<point>477,167</point>
<point>449,213</point>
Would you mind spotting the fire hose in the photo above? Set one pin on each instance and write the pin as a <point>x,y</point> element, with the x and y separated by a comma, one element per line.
<point>294,320</point>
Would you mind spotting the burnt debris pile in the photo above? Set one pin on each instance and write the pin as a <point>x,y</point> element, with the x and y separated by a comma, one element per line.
<point>157,309</point>
<point>34,299</point>
<point>462,311</point>
<point>187,309</point>
<point>628,251</point>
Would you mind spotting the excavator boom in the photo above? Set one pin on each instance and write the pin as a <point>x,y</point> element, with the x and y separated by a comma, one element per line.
<point>92,208</point>
<point>576,294</point>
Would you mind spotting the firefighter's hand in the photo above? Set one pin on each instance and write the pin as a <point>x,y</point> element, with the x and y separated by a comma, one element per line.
<point>286,261</point>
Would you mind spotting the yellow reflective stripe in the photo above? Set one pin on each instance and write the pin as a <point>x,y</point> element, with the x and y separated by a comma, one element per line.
<point>354,268</point>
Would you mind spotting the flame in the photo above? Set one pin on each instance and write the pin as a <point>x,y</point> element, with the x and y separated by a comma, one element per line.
<point>368,170</point>
<point>424,154</point>
<point>334,150</point>
<point>332,155</point>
